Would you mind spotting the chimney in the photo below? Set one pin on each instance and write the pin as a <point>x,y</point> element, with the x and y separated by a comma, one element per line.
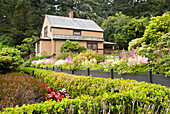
<point>71,14</point>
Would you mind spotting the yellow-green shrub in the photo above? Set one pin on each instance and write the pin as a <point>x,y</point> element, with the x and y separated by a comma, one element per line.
<point>89,54</point>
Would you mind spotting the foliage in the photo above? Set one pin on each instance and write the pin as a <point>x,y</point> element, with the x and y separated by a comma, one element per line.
<point>26,64</point>
<point>133,44</point>
<point>37,57</point>
<point>158,26</point>
<point>137,97</point>
<point>18,20</point>
<point>21,19</point>
<point>27,46</point>
<point>88,55</point>
<point>66,54</point>
<point>161,65</point>
<point>70,46</point>
<point>6,40</point>
<point>121,29</point>
<point>10,59</point>
<point>164,43</point>
<point>19,89</point>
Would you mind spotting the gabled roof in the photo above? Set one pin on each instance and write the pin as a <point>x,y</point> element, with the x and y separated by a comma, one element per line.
<point>73,23</point>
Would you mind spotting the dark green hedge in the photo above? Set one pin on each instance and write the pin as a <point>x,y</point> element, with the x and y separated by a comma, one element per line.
<point>95,95</point>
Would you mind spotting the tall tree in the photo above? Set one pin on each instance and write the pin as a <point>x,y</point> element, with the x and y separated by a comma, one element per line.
<point>121,29</point>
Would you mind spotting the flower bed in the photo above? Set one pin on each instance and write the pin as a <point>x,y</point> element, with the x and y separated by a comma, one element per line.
<point>96,95</point>
<point>127,63</point>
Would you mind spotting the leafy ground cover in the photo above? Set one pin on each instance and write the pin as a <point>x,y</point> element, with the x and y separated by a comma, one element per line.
<point>96,95</point>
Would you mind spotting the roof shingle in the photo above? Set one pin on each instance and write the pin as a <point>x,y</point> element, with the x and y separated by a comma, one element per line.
<point>73,23</point>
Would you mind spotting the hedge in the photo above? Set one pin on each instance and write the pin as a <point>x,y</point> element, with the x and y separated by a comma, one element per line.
<point>95,95</point>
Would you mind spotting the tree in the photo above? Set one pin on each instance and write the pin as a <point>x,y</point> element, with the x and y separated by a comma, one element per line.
<point>27,46</point>
<point>121,29</point>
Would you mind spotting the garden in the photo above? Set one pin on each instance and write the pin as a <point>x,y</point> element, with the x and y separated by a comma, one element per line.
<point>25,89</point>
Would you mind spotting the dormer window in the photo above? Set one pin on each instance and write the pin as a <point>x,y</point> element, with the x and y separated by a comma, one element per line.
<point>77,32</point>
<point>46,31</point>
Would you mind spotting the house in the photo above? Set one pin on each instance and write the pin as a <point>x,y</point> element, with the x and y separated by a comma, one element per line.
<point>57,29</point>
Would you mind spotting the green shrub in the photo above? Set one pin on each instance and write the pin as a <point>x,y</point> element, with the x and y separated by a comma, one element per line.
<point>95,95</point>
<point>161,65</point>
<point>19,89</point>
<point>133,44</point>
<point>70,46</point>
<point>158,26</point>
<point>164,43</point>
<point>10,59</point>
<point>37,57</point>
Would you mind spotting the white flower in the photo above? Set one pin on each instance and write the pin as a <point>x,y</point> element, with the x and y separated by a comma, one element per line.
<point>60,62</point>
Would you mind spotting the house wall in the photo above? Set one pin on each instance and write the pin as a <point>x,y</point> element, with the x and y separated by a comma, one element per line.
<point>60,31</point>
<point>92,34</point>
<point>100,46</point>
<point>46,23</point>
<point>45,48</point>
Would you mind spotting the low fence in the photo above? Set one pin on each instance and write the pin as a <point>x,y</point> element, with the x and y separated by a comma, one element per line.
<point>149,77</point>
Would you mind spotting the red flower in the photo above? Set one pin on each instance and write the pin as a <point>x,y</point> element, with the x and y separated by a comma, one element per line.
<point>59,97</point>
<point>48,90</point>
<point>46,85</point>
<point>50,87</point>
<point>47,99</point>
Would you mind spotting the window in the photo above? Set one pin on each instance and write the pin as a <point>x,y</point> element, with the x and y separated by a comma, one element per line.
<point>77,32</point>
<point>46,31</point>
<point>92,46</point>
<point>38,47</point>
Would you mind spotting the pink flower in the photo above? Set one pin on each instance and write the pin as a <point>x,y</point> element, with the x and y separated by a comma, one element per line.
<point>146,46</point>
<point>123,54</point>
<point>33,61</point>
<point>169,51</point>
<point>69,58</point>
<point>132,53</point>
<point>62,91</point>
<point>68,96</point>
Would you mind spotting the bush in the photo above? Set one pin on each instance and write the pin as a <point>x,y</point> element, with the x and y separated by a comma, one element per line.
<point>10,59</point>
<point>19,89</point>
<point>88,55</point>
<point>161,65</point>
<point>70,46</point>
<point>158,26</point>
<point>135,43</point>
<point>96,95</point>
<point>164,43</point>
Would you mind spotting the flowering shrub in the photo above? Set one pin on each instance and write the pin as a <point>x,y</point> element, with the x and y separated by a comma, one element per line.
<point>57,96</point>
<point>44,61</point>
<point>137,60</point>
<point>60,62</point>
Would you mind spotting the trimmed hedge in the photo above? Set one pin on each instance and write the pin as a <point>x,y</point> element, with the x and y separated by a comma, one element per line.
<point>95,95</point>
